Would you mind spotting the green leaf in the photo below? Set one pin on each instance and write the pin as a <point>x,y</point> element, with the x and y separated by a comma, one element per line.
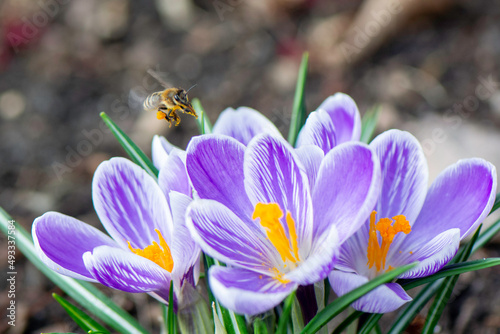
<point>219,329</point>
<point>343,302</point>
<point>446,288</point>
<point>412,309</point>
<point>285,315</point>
<point>297,318</point>
<point>450,270</point>
<point>171,321</point>
<point>369,123</point>
<point>233,323</point>
<point>486,236</point>
<point>347,322</point>
<point>204,124</point>
<point>82,292</point>
<point>406,316</point>
<point>370,323</point>
<point>135,153</point>
<point>259,327</point>
<point>81,318</point>
<point>496,204</point>
<point>299,105</point>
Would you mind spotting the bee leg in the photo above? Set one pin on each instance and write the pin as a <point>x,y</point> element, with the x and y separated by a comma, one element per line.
<point>175,117</point>
<point>190,111</point>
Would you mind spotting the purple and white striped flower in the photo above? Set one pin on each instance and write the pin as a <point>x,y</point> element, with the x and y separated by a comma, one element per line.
<point>336,121</point>
<point>257,214</point>
<point>432,221</point>
<point>149,244</point>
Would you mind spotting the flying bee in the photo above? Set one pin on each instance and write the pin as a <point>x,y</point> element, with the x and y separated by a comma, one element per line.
<point>166,103</point>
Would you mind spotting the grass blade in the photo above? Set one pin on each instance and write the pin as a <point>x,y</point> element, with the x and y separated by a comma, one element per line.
<point>446,288</point>
<point>83,293</point>
<point>299,104</point>
<point>81,318</point>
<point>204,124</point>
<point>369,123</point>
<point>486,236</point>
<point>343,302</point>
<point>452,269</point>
<point>347,322</point>
<point>370,323</point>
<point>259,327</point>
<point>171,321</point>
<point>496,204</point>
<point>135,153</point>
<point>233,323</point>
<point>437,285</point>
<point>285,315</point>
<point>406,316</point>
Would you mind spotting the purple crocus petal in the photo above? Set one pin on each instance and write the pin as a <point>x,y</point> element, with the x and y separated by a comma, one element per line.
<point>243,124</point>
<point>345,116</point>
<point>353,257</point>
<point>311,157</point>
<point>247,292</point>
<point>319,130</point>
<point>224,236</point>
<point>461,197</point>
<point>404,175</point>
<point>273,174</point>
<point>160,149</point>
<point>173,176</point>
<point>385,298</point>
<point>215,167</point>
<point>320,262</point>
<point>62,240</point>
<point>130,203</point>
<point>126,271</point>
<point>433,255</point>
<point>185,252</point>
<point>346,189</point>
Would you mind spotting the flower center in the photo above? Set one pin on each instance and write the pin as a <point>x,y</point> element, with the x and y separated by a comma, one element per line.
<point>287,246</point>
<point>387,228</point>
<point>159,255</point>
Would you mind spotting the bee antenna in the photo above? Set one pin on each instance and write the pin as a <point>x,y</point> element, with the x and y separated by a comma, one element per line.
<point>191,87</point>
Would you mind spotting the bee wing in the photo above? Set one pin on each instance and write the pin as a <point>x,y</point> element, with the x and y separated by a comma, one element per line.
<point>136,98</point>
<point>159,78</point>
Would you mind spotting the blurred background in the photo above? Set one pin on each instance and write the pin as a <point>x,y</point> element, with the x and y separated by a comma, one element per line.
<point>431,65</point>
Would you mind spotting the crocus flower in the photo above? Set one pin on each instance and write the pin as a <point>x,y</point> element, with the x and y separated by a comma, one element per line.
<point>257,214</point>
<point>336,121</point>
<point>410,223</point>
<point>243,124</point>
<point>149,244</point>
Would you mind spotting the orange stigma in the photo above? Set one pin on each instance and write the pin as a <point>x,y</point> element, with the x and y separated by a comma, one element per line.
<point>155,253</point>
<point>387,228</point>
<point>287,246</point>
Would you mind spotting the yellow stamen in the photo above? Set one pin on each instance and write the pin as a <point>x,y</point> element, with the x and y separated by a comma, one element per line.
<point>278,275</point>
<point>155,253</point>
<point>387,229</point>
<point>287,246</point>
